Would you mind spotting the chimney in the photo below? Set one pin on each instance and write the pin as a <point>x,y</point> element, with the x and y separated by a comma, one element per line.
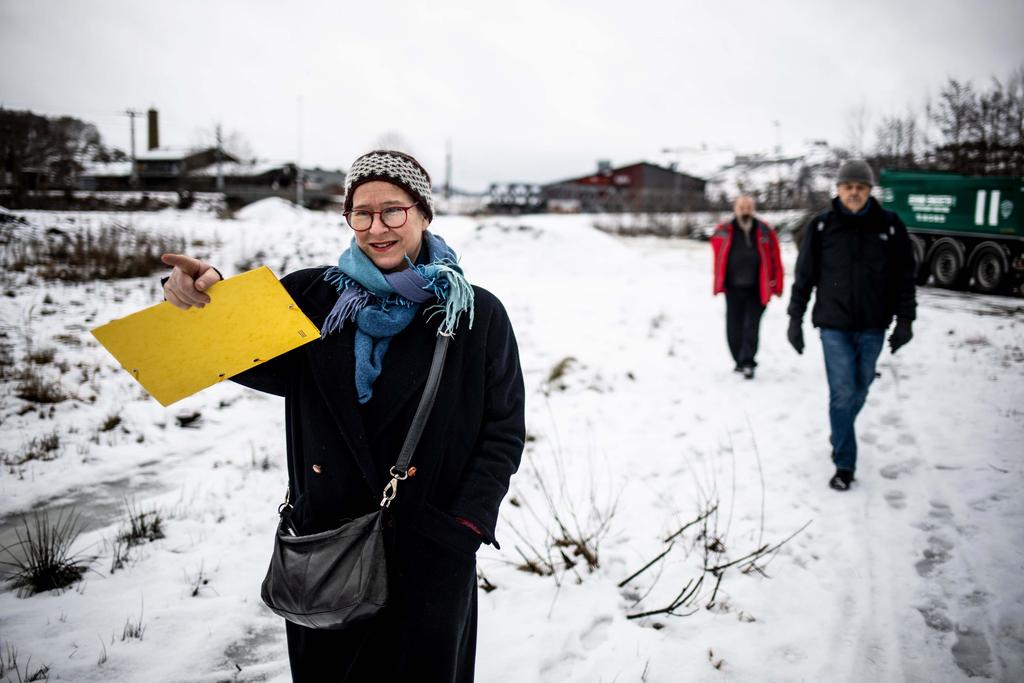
<point>154,130</point>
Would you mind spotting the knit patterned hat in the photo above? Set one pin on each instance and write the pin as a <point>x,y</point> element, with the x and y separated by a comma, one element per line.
<point>392,167</point>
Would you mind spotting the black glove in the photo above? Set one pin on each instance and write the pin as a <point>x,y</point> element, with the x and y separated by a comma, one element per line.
<point>901,334</point>
<point>796,334</point>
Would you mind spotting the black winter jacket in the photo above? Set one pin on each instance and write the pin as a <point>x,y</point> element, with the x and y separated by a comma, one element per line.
<point>862,266</point>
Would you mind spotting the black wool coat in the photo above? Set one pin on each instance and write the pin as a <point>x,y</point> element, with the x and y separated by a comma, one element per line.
<point>339,455</point>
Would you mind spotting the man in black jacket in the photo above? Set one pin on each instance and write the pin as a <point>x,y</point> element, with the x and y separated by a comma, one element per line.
<point>859,258</point>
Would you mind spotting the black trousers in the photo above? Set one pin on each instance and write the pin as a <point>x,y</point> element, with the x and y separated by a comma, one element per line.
<point>743,311</point>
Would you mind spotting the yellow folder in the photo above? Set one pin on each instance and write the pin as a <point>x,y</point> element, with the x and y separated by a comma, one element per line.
<point>174,353</point>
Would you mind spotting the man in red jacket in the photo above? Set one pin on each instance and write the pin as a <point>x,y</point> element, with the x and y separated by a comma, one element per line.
<point>748,269</point>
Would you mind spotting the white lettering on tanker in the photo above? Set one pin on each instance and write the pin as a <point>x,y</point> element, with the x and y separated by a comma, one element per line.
<point>1005,209</point>
<point>979,208</point>
<point>931,208</point>
<point>993,209</point>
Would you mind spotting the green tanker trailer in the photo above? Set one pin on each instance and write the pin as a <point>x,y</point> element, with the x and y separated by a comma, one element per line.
<point>967,231</point>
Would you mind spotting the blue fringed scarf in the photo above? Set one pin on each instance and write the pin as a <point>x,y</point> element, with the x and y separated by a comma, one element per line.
<point>383,304</point>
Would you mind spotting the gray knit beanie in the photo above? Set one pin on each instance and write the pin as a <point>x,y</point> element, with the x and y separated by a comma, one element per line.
<point>856,171</point>
<point>392,167</point>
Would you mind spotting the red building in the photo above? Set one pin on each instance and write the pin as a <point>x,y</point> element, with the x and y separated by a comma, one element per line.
<point>637,187</point>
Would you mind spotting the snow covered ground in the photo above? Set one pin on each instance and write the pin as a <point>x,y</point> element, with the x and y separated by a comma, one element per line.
<point>637,425</point>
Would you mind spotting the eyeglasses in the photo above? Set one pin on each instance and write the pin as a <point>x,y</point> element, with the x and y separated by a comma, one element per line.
<point>392,217</point>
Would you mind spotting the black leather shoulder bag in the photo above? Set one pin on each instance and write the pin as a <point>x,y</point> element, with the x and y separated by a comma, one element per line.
<point>336,578</point>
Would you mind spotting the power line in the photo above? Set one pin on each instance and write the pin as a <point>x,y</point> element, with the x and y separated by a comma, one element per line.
<point>131,114</point>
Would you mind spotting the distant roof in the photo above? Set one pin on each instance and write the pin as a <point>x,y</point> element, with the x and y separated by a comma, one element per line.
<point>176,153</point>
<point>166,154</point>
<point>113,169</point>
<point>324,173</point>
<point>621,169</point>
<point>238,168</point>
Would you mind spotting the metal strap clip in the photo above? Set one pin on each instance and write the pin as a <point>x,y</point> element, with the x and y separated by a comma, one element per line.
<point>391,489</point>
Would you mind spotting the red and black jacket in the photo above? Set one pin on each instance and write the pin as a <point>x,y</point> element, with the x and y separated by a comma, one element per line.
<point>771,274</point>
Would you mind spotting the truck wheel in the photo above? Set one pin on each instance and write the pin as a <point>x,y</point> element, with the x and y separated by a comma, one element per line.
<point>947,264</point>
<point>920,271</point>
<point>989,270</point>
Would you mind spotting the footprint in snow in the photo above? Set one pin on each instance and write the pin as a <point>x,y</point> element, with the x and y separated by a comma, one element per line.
<point>899,469</point>
<point>938,552</point>
<point>890,419</point>
<point>972,652</point>
<point>975,599</point>
<point>935,618</point>
<point>559,668</point>
<point>940,510</point>
<point>897,500</point>
<point>597,634</point>
<point>984,504</point>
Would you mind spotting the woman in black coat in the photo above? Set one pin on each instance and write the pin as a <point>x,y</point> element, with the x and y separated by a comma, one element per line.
<point>349,400</point>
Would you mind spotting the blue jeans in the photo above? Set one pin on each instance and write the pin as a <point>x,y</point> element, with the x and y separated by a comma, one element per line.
<point>850,359</point>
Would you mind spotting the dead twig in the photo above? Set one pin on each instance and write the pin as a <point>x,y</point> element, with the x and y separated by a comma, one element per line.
<point>646,566</point>
<point>760,552</point>
<point>712,510</point>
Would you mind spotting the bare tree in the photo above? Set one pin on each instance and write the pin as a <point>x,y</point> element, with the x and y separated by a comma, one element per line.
<point>956,112</point>
<point>59,147</point>
<point>897,141</point>
<point>982,131</point>
<point>857,119</point>
<point>232,142</point>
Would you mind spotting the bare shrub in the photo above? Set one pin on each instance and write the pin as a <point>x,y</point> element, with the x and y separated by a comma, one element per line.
<point>35,388</point>
<point>42,356</point>
<point>198,581</point>
<point>120,556</point>
<point>190,420</point>
<point>704,534</point>
<point>143,525</point>
<point>12,670</point>
<point>113,251</point>
<point>133,628</point>
<point>574,518</point>
<point>111,422</point>
<point>247,263</point>
<point>43,448</point>
<point>560,368</point>
<point>7,364</point>
<point>43,560</point>
<point>68,339</point>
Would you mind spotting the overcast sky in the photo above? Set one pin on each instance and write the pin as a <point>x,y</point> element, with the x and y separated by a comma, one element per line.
<point>526,90</point>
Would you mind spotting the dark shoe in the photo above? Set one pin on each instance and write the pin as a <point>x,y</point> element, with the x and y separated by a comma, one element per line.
<point>748,372</point>
<point>841,480</point>
<point>737,368</point>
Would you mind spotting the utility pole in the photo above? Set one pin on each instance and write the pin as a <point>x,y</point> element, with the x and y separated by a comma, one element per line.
<point>299,180</point>
<point>131,114</point>
<point>448,169</point>
<point>778,163</point>
<point>219,135</point>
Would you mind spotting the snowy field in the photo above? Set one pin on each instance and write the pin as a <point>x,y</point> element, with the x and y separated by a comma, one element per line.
<point>637,426</point>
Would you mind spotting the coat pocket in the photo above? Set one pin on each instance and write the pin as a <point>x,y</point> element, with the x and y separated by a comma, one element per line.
<point>442,528</point>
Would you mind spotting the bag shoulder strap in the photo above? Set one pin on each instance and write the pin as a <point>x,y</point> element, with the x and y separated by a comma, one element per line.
<point>419,420</point>
<point>400,471</point>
